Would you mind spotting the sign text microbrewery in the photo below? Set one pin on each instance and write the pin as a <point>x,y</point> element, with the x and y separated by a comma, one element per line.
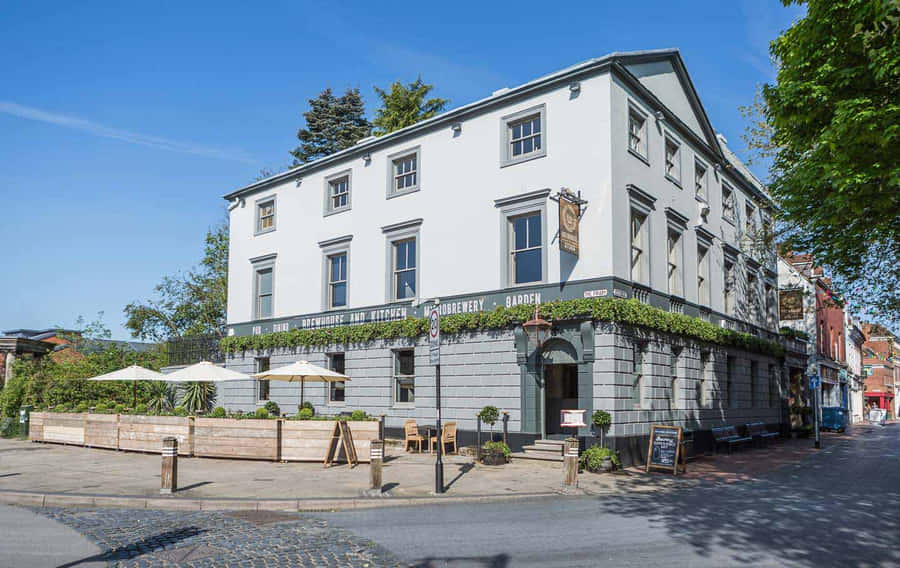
<point>470,303</point>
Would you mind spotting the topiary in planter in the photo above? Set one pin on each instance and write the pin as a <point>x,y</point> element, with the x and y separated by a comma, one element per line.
<point>305,414</point>
<point>272,407</point>
<point>218,412</point>
<point>489,415</point>
<point>598,459</point>
<point>101,408</point>
<point>358,416</point>
<point>180,411</point>
<point>140,409</point>
<point>82,407</point>
<point>495,453</point>
<point>262,413</point>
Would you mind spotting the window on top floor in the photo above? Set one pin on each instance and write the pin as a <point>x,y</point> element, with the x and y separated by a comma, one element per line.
<point>637,132</point>
<point>337,193</point>
<point>265,215</point>
<point>524,136</point>
<point>750,218</point>
<point>405,173</point>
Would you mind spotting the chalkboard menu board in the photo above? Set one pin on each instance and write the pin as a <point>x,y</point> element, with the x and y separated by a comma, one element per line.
<point>665,446</point>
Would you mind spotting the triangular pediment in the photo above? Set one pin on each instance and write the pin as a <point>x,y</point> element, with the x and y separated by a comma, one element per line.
<point>664,75</point>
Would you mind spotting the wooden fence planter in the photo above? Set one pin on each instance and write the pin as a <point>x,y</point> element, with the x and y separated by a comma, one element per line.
<point>62,428</point>
<point>255,439</point>
<point>307,440</point>
<point>146,433</point>
<point>101,431</point>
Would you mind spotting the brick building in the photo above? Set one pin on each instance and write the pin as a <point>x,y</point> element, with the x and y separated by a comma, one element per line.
<point>881,365</point>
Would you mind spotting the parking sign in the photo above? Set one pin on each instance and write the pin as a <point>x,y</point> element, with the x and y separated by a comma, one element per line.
<point>434,336</point>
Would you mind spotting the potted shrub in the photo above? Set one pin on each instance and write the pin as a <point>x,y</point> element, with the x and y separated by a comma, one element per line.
<point>305,413</point>
<point>600,421</point>
<point>218,412</point>
<point>262,413</point>
<point>272,407</point>
<point>489,415</point>
<point>597,459</point>
<point>495,453</point>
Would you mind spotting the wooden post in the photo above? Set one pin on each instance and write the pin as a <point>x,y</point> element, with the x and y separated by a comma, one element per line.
<point>376,455</point>
<point>381,427</point>
<point>570,467</point>
<point>478,438</point>
<point>169,466</point>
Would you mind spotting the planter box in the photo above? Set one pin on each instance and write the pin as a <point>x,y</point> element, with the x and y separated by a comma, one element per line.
<point>307,440</point>
<point>36,426</point>
<point>101,431</point>
<point>145,433</point>
<point>63,428</point>
<point>229,438</point>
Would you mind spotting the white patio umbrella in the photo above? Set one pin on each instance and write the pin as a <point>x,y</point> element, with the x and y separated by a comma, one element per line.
<point>133,373</point>
<point>205,372</point>
<point>300,372</point>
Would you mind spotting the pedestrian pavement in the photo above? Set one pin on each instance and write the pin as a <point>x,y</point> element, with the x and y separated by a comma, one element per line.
<point>48,475</point>
<point>30,540</point>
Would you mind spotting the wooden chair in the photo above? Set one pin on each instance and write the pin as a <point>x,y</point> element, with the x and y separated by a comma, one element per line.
<point>448,436</point>
<point>411,431</point>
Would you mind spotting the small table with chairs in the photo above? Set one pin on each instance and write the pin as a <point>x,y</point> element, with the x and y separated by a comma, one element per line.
<point>416,434</point>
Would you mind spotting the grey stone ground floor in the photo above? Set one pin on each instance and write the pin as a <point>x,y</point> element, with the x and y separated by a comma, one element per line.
<point>639,377</point>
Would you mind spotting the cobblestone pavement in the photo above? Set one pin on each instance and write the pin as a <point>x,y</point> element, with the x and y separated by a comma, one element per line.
<point>142,538</point>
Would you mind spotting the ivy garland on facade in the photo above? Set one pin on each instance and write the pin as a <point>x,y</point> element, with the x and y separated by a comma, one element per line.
<point>628,312</point>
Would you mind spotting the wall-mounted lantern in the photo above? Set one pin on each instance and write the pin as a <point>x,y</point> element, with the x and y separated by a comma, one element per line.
<point>537,328</point>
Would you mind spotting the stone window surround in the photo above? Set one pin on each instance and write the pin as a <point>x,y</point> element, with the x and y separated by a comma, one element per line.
<point>329,248</point>
<point>391,192</point>
<point>669,138</point>
<point>514,206</point>
<point>256,265</point>
<point>643,203</point>
<point>634,109</point>
<point>505,151</point>
<point>394,375</point>
<point>400,232</point>
<point>257,204</point>
<point>327,209</point>
<point>330,365</point>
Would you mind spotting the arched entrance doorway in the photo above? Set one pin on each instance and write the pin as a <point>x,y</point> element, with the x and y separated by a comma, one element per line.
<point>559,361</point>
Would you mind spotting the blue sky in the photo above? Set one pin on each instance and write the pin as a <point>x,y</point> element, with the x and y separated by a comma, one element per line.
<point>123,123</point>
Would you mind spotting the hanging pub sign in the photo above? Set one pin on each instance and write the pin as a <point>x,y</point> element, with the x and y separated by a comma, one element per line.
<point>790,304</point>
<point>569,213</point>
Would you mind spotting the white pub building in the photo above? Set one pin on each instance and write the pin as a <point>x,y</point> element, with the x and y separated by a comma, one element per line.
<point>462,210</point>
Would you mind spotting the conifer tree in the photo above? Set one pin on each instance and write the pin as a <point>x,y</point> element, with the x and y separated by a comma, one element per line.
<point>332,124</point>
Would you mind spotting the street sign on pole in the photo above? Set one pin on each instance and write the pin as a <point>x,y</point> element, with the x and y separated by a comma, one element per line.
<point>434,336</point>
<point>434,350</point>
<point>814,382</point>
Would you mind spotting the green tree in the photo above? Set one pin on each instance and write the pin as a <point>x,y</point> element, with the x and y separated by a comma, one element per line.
<point>332,124</point>
<point>404,105</point>
<point>187,305</point>
<point>831,124</point>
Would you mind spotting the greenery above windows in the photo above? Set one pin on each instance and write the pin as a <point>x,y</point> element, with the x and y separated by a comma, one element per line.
<point>627,312</point>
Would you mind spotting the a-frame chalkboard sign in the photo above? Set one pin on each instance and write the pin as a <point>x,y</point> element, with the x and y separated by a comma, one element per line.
<point>665,448</point>
<point>341,439</point>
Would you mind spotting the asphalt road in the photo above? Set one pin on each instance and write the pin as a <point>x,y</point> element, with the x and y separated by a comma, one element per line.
<point>837,508</point>
<point>29,540</point>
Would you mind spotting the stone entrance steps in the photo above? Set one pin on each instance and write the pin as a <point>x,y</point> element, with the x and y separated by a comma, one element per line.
<point>545,450</point>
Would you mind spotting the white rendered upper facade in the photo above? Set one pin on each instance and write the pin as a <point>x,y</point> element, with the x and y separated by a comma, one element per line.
<point>459,207</point>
